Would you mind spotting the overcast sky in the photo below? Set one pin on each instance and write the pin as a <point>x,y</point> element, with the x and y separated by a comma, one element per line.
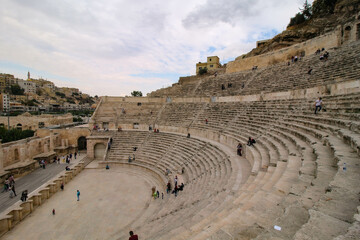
<point>111,47</point>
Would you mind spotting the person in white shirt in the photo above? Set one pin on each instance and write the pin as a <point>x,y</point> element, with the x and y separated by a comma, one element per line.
<point>318,105</point>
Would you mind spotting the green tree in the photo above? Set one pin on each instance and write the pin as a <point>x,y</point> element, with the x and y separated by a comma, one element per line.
<point>202,71</point>
<point>307,10</point>
<point>299,18</point>
<point>16,90</point>
<point>14,134</point>
<point>136,94</point>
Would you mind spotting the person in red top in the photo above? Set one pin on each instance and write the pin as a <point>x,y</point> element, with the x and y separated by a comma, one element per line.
<point>132,236</point>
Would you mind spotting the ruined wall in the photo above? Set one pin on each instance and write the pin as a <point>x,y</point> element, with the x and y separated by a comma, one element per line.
<point>23,151</point>
<point>329,40</point>
<point>71,134</point>
<point>31,122</point>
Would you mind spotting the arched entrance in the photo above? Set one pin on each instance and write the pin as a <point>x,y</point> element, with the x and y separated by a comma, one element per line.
<point>19,126</point>
<point>82,143</point>
<point>99,150</point>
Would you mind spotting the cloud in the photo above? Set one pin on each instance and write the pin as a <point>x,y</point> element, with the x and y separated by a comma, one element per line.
<point>112,47</point>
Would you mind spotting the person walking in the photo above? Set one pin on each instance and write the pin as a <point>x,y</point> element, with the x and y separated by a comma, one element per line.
<point>318,105</point>
<point>75,154</point>
<point>12,188</point>
<point>78,195</point>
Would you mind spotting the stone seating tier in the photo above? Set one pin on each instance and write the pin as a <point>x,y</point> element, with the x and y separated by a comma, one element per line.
<point>294,165</point>
<point>342,65</point>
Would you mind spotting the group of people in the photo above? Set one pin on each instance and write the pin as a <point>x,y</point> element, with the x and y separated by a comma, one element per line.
<point>251,141</point>
<point>324,56</point>
<point>177,187</point>
<point>229,85</point>
<point>9,186</point>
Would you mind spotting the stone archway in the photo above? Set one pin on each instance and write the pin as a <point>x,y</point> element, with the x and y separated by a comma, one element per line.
<point>19,126</point>
<point>347,33</point>
<point>82,143</point>
<point>99,150</point>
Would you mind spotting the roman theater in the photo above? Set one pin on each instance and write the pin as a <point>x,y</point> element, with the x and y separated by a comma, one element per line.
<point>300,180</point>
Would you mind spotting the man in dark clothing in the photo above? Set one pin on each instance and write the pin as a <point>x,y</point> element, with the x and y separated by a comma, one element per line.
<point>132,236</point>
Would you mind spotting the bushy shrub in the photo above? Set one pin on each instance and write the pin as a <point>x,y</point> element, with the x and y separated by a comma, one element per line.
<point>202,71</point>
<point>14,134</point>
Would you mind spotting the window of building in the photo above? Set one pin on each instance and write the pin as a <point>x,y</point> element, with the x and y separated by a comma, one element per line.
<point>209,59</point>
<point>139,103</point>
<point>200,67</point>
<point>211,65</point>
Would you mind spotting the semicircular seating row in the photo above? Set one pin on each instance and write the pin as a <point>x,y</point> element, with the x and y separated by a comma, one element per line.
<point>295,180</point>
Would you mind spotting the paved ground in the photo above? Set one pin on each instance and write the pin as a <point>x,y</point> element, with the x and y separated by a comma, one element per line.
<point>32,181</point>
<point>109,201</point>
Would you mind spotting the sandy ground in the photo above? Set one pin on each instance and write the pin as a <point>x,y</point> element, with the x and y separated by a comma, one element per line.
<point>109,200</point>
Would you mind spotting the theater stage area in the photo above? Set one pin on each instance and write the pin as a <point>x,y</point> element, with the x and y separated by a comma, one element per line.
<point>109,201</point>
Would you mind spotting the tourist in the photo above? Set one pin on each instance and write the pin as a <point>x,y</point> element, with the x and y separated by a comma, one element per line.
<point>75,154</point>
<point>154,195</point>
<point>107,167</point>
<point>326,56</point>
<point>53,211</point>
<point>134,149</point>
<point>181,187</point>
<point>11,180</point>
<point>158,194</point>
<point>157,130</point>
<point>206,121</point>
<point>175,181</point>
<point>119,129</point>
<point>188,135</point>
<point>162,195</point>
<point>176,189</point>
<point>129,159</point>
<point>70,156</point>
<point>132,236</point>
<point>168,189</point>
<point>229,85</point>
<point>251,142</point>
<point>222,87</point>
<point>78,195</point>
<point>24,195</point>
<point>6,185</point>
<point>239,149</point>
<point>133,157</point>
<point>12,188</point>
<point>318,105</point>
<point>67,168</point>
<point>62,186</point>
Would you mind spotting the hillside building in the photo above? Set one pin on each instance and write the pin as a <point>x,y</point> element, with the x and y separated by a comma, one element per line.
<point>4,102</point>
<point>212,63</point>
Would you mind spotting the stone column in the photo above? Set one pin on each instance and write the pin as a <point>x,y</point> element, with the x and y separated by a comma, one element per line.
<point>51,140</point>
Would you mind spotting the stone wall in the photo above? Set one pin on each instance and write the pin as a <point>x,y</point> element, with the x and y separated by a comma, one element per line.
<point>71,135</point>
<point>28,121</point>
<point>329,40</point>
<point>20,154</point>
